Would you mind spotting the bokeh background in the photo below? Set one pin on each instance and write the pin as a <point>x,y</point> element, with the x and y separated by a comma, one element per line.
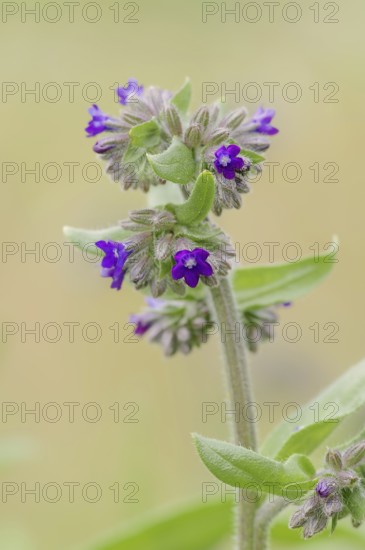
<point>167,42</point>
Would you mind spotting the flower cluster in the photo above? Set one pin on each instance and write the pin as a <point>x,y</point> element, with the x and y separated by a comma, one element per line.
<point>148,122</point>
<point>340,492</point>
<point>177,325</point>
<point>162,254</point>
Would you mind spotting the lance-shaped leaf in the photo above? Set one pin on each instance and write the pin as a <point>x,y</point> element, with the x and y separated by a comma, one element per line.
<point>200,526</point>
<point>267,285</point>
<point>320,417</point>
<point>146,134</point>
<point>198,205</point>
<point>241,467</point>
<point>176,164</point>
<point>85,238</point>
<point>182,98</point>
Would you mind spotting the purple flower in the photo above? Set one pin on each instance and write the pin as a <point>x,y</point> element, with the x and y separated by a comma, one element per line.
<point>191,264</point>
<point>226,161</point>
<point>129,91</point>
<point>262,118</point>
<point>112,265</point>
<point>325,487</point>
<point>97,123</point>
<point>141,326</point>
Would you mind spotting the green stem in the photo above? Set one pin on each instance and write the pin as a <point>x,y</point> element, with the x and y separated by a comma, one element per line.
<point>240,393</point>
<point>264,517</point>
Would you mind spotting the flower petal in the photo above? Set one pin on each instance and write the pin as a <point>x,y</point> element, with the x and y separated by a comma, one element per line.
<point>237,163</point>
<point>178,271</point>
<point>205,269</point>
<point>200,253</point>
<point>233,150</point>
<point>228,173</point>
<point>191,277</point>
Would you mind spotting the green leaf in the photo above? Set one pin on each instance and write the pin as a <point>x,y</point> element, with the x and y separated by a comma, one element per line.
<point>354,499</point>
<point>85,238</point>
<point>241,467</point>
<point>254,157</point>
<point>320,417</point>
<point>146,134</point>
<point>182,98</point>
<point>265,286</point>
<point>176,164</point>
<point>200,526</point>
<point>198,205</point>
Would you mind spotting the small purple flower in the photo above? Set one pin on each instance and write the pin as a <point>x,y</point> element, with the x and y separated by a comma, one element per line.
<point>97,123</point>
<point>191,264</point>
<point>286,304</point>
<point>141,326</point>
<point>325,487</point>
<point>262,118</point>
<point>112,265</point>
<point>227,162</point>
<point>131,90</point>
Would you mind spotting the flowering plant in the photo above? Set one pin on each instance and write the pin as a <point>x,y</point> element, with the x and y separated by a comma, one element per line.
<point>192,165</point>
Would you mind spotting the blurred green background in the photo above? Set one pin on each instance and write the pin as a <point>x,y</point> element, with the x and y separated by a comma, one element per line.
<point>168,42</point>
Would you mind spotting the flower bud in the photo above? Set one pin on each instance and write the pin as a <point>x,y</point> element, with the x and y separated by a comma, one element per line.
<point>326,487</point>
<point>298,519</point>
<point>355,454</point>
<point>173,120</point>
<point>347,478</point>
<point>334,460</point>
<point>144,216</point>
<point>163,247</point>
<point>332,505</point>
<point>235,118</point>
<point>218,136</point>
<point>314,525</point>
<point>202,117</point>
<point>193,136</point>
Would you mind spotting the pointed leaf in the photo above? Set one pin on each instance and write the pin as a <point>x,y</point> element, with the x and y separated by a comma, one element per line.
<point>241,467</point>
<point>176,164</point>
<point>267,285</point>
<point>319,417</point>
<point>182,98</point>
<point>198,205</point>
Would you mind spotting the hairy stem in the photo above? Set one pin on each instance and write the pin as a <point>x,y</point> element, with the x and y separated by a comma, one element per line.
<point>240,393</point>
<point>264,517</point>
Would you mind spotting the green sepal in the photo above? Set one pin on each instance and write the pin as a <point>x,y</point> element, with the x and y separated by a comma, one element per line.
<point>165,268</point>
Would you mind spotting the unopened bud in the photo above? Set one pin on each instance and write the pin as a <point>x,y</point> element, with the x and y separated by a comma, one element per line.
<point>298,519</point>
<point>173,120</point>
<point>235,118</point>
<point>355,454</point>
<point>163,247</point>
<point>218,136</point>
<point>144,216</point>
<point>332,505</point>
<point>193,136</point>
<point>347,478</point>
<point>314,525</point>
<point>202,117</point>
<point>334,460</point>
